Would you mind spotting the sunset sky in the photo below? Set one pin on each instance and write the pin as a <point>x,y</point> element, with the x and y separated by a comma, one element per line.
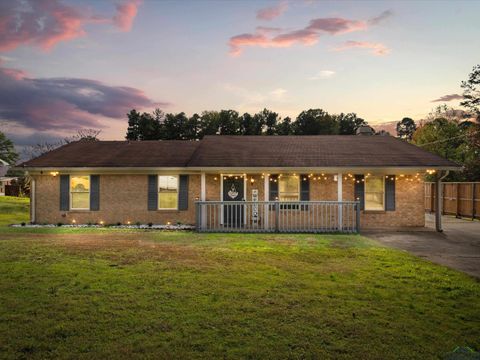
<point>65,65</point>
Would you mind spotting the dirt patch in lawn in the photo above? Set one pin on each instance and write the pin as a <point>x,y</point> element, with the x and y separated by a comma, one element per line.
<point>120,248</point>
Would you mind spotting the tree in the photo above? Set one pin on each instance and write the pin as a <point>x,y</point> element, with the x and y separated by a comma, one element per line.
<point>405,128</point>
<point>250,125</point>
<point>454,141</point>
<point>194,127</point>
<point>7,150</point>
<point>228,122</point>
<point>133,125</point>
<point>315,122</point>
<point>209,123</point>
<point>284,127</point>
<point>175,127</point>
<point>349,123</point>
<point>471,92</point>
<point>41,148</point>
<point>268,120</point>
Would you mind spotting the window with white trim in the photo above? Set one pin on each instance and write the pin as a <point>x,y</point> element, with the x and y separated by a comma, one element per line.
<point>374,193</point>
<point>167,192</point>
<point>288,188</point>
<point>80,192</point>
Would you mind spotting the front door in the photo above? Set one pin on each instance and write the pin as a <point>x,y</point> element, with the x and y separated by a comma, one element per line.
<point>233,190</point>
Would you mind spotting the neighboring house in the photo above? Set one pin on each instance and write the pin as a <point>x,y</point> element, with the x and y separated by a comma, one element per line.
<point>3,167</point>
<point>237,183</point>
<point>4,181</point>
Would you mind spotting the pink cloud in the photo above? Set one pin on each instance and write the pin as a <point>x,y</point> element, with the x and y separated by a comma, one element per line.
<point>304,36</point>
<point>309,35</point>
<point>126,13</point>
<point>450,97</point>
<point>376,48</point>
<point>272,12</point>
<point>45,23</point>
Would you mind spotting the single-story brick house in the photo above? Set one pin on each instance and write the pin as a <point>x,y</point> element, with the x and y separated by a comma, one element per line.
<point>241,183</point>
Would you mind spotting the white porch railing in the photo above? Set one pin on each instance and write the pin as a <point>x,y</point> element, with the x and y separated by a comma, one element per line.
<point>275,216</point>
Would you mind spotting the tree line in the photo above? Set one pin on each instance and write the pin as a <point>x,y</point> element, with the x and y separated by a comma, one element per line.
<point>178,126</point>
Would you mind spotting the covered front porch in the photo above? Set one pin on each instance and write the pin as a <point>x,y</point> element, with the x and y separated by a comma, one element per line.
<point>297,201</point>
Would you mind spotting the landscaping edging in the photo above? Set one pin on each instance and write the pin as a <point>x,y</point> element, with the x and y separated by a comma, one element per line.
<point>156,227</point>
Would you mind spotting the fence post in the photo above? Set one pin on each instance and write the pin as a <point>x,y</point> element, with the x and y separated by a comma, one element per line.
<point>357,216</point>
<point>432,198</point>
<point>473,200</point>
<point>277,216</point>
<point>457,197</point>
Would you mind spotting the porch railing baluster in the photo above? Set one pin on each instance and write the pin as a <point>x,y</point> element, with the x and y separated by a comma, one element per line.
<point>276,216</point>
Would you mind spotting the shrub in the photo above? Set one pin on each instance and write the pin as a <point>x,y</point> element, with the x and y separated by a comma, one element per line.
<point>138,223</point>
<point>23,223</point>
<point>59,224</point>
<point>150,224</point>
<point>119,223</point>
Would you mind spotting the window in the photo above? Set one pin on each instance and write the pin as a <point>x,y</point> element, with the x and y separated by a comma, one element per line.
<point>288,188</point>
<point>168,192</point>
<point>80,192</point>
<point>374,193</point>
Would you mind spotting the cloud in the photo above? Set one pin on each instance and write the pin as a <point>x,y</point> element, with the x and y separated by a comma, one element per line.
<point>376,48</point>
<point>335,26</point>
<point>276,37</point>
<point>64,103</point>
<point>380,18</point>
<point>324,74</point>
<point>450,97</point>
<point>278,93</point>
<point>45,23</point>
<point>272,12</point>
<point>126,13</point>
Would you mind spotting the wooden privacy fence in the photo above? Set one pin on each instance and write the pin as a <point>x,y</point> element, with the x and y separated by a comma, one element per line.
<point>461,199</point>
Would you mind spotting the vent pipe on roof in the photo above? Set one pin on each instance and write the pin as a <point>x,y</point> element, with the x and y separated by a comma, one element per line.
<point>365,130</point>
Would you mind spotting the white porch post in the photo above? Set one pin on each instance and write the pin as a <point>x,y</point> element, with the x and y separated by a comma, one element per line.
<point>32,200</point>
<point>203,196</point>
<point>266,197</point>
<point>340,198</point>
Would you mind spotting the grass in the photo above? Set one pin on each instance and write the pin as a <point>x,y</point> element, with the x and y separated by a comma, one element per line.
<point>180,295</point>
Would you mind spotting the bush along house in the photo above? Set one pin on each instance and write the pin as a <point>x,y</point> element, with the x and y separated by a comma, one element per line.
<point>237,183</point>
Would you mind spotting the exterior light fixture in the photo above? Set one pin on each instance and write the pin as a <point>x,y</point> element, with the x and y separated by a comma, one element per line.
<point>54,173</point>
<point>101,222</point>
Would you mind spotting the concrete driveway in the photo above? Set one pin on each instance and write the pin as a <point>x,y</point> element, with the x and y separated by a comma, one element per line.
<point>457,247</point>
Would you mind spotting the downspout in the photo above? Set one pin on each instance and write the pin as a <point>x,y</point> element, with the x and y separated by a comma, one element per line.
<point>438,201</point>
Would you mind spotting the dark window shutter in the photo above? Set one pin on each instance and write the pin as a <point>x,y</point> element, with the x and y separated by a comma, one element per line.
<point>152,192</point>
<point>304,190</point>
<point>360,190</point>
<point>64,192</point>
<point>390,193</point>
<point>95,192</point>
<point>273,196</point>
<point>183,192</point>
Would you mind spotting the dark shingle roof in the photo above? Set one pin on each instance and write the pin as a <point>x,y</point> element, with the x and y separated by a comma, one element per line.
<point>173,153</point>
<point>245,151</point>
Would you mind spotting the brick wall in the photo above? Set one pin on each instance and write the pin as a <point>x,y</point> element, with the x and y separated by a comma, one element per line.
<point>124,198</point>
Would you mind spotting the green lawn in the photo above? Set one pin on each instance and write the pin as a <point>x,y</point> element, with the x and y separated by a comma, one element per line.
<point>67,293</point>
